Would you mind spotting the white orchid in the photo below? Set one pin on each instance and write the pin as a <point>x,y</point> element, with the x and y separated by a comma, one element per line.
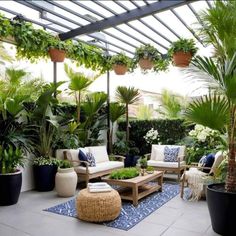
<point>151,136</point>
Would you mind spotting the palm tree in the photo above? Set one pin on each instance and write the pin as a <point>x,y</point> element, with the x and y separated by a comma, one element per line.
<point>218,109</point>
<point>127,96</point>
<point>116,111</point>
<point>78,84</point>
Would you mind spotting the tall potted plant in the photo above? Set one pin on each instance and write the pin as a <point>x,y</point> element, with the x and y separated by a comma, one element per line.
<point>182,52</point>
<point>120,63</point>
<point>218,109</point>
<point>44,126</point>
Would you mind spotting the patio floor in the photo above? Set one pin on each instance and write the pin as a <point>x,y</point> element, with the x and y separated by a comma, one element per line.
<point>176,217</point>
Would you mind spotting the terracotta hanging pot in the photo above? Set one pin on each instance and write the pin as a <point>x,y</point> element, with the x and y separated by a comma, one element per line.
<point>146,64</point>
<point>120,69</point>
<point>57,55</point>
<point>182,59</point>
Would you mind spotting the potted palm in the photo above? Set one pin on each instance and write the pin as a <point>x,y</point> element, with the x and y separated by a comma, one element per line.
<point>146,56</point>
<point>66,179</point>
<point>182,52</point>
<point>217,110</point>
<point>120,63</point>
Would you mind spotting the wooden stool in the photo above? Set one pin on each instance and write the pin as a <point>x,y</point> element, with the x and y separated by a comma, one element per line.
<point>98,207</point>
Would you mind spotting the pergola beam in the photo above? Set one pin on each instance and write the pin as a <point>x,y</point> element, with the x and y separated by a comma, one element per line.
<point>124,17</point>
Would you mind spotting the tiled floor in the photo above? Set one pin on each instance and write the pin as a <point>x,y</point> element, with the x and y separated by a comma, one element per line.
<point>176,217</point>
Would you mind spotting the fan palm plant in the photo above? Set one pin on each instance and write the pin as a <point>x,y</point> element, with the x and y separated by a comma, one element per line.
<point>218,110</point>
<point>127,96</point>
<point>79,82</point>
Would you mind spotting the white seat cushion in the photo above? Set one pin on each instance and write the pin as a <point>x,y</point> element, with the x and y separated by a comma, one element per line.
<point>99,153</point>
<point>165,164</point>
<point>219,157</point>
<point>102,166</point>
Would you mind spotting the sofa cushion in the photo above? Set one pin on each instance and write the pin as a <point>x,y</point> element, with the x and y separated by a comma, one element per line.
<point>165,164</point>
<point>171,154</point>
<point>82,155</point>
<point>102,166</point>
<point>99,153</point>
<point>91,159</point>
<point>157,152</point>
<point>72,155</point>
<point>219,157</point>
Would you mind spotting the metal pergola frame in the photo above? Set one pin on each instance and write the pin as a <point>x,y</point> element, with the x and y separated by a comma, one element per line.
<point>132,39</point>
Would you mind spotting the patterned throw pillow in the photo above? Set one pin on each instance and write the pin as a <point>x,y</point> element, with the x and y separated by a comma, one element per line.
<point>91,159</point>
<point>171,154</point>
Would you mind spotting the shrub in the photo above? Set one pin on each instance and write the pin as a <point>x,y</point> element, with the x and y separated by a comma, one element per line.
<point>170,132</point>
<point>125,173</point>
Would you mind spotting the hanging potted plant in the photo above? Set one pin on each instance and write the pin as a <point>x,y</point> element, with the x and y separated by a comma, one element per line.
<point>57,49</point>
<point>182,52</point>
<point>66,179</point>
<point>147,56</point>
<point>120,63</point>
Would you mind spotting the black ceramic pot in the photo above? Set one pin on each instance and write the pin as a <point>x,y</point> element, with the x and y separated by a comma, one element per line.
<point>130,160</point>
<point>44,177</point>
<point>222,208</point>
<point>10,185</point>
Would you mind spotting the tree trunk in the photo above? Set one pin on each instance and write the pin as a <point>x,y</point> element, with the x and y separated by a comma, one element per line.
<point>110,138</point>
<point>78,107</point>
<point>127,123</point>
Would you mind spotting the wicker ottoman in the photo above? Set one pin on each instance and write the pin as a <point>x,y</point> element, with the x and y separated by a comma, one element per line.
<point>98,207</point>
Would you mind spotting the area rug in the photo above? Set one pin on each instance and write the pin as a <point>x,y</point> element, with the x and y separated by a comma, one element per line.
<point>130,215</point>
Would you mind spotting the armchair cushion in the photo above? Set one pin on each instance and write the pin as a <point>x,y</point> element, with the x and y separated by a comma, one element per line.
<point>210,158</point>
<point>99,153</point>
<point>102,166</point>
<point>219,157</point>
<point>171,154</point>
<point>165,164</point>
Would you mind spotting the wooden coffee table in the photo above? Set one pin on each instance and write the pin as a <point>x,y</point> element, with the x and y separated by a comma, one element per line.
<point>138,187</point>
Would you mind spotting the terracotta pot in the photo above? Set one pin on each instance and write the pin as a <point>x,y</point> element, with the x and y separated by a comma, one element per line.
<point>120,69</point>
<point>182,59</point>
<point>57,55</point>
<point>145,64</point>
<point>66,182</point>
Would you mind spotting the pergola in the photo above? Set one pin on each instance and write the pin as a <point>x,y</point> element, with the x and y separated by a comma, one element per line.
<point>113,25</point>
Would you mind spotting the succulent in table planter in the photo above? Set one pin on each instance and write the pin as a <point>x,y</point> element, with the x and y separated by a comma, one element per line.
<point>120,63</point>
<point>143,164</point>
<point>147,56</point>
<point>182,52</point>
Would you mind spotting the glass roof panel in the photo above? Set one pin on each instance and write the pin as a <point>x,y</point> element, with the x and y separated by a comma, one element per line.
<point>6,14</point>
<point>121,35</point>
<point>21,9</point>
<point>127,4</point>
<point>113,6</point>
<point>159,27</point>
<point>199,6</point>
<point>173,22</point>
<point>96,7</point>
<point>137,24</point>
<point>139,3</point>
<point>80,10</point>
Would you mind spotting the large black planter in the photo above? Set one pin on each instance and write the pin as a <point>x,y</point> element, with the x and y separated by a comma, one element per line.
<point>10,185</point>
<point>130,160</point>
<point>44,177</point>
<point>222,208</point>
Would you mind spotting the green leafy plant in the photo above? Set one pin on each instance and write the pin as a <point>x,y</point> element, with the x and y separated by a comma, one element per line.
<point>143,162</point>
<point>151,53</point>
<point>183,45</point>
<point>10,159</point>
<point>6,28</point>
<point>40,161</point>
<point>150,169</point>
<point>121,59</point>
<point>65,164</point>
<point>125,173</point>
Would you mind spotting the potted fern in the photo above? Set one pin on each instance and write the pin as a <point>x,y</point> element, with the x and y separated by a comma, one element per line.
<point>147,56</point>
<point>182,52</point>
<point>120,63</point>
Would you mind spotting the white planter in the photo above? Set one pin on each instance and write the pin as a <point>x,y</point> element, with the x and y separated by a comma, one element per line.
<point>66,182</point>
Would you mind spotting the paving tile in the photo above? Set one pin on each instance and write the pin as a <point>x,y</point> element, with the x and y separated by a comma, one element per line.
<point>180,232</point>
<point>9,231</point>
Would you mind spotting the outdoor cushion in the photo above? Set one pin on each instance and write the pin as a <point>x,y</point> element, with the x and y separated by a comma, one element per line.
<point>165,164</point>
<point>99,153</point>
<point>82,155</point>
<point>170,154</point>
<point>219,157</point>
<point>210,158</point>
<point>102,166</point>
<point>91,159</point>
<point>157,152</point>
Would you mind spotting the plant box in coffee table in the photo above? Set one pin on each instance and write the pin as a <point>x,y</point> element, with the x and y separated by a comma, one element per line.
<point>138,187</point>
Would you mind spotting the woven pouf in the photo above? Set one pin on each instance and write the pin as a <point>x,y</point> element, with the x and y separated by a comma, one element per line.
<point>98,207</point>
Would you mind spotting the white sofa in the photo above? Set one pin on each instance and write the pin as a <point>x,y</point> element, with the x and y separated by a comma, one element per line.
<point>156,159</point>
<point>85,172</point>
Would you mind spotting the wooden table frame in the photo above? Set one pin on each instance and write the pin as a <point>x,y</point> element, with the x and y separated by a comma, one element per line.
<point>139,186</point>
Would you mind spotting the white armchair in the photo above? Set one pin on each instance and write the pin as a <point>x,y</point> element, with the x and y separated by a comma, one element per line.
<point>85,172</point>
<point>156,159</point>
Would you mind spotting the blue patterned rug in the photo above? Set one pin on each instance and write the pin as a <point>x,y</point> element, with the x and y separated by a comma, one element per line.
<point>130,215</point>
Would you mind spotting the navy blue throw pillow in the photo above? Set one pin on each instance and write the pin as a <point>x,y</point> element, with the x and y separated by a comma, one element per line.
<point>82,157</point>
<point>210,158</point>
